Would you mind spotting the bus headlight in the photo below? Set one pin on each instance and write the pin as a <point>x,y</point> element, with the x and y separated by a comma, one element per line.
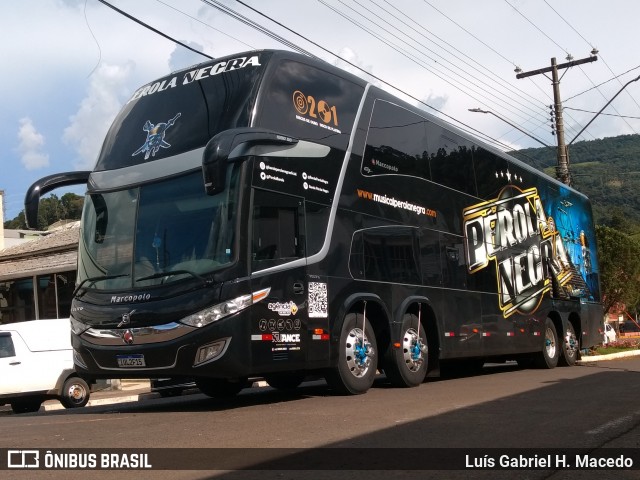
<point>78,327</point>
<point>224,309</point>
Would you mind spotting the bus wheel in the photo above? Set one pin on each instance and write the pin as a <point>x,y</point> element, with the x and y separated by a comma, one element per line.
<point>406,363</point>
<point>26,406</point>
<point>75,393</point>
<point>357,358</point>
<point>548,357</point>
<point>284,381</point>
<point>570,347</point>
<point>220,387</point>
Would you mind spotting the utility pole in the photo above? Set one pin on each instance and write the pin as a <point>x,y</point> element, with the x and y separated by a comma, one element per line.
<point>562,168</point>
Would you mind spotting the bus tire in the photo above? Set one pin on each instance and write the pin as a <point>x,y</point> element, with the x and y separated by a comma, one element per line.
<point>357,364</point>
<point>75,393</point>
<point>570,347</point>
<point>29,405</point>
<point>548,357</point>
<point>284,381</point>
<point>406,365</point>
<point>220,387</point>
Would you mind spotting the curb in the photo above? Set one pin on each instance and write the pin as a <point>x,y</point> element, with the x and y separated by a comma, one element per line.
<point>610,356</point>
<point>115,398</point>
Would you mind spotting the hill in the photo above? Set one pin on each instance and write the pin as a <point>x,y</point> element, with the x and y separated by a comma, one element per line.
<point>606,170</point>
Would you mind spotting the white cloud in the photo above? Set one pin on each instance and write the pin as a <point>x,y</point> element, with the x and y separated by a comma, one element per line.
<point>354,59</point>
<point>30,146</point>
<point>88,126</point>
<point>182,58</point>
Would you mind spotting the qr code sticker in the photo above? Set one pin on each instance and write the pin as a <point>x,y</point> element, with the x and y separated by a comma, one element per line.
<point>318,300</point>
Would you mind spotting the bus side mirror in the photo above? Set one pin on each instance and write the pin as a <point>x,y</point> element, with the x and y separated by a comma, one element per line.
<point>44,185</point>
<point>232,145</point>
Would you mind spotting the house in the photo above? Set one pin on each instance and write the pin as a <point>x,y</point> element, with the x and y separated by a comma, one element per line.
<point>37,277</point>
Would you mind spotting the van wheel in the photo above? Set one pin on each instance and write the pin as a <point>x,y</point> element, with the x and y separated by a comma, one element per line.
<point>357,358</point>
<point>75,393</point>
<point>26,406</point>
<point>285,381</point>
<point>406,365</point>
<point>221,387</point>
<point>570,346</point>
<point>548,357</point>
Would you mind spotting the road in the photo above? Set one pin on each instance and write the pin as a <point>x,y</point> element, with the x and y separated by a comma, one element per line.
<point>589,407</point>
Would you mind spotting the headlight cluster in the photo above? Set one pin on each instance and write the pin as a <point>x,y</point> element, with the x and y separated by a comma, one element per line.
<point>77,327</point>
<point>224,309</point>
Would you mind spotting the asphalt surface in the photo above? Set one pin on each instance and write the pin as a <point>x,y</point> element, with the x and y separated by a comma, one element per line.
<point>140,390</point>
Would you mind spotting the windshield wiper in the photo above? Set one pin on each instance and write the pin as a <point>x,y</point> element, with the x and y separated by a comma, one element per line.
<point>95,279</point>
<point>175,272</point>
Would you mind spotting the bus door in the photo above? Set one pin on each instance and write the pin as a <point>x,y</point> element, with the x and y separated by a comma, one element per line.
<point>279,335</point>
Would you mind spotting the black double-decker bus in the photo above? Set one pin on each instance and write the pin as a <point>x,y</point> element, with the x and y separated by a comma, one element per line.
<point>267,214</point>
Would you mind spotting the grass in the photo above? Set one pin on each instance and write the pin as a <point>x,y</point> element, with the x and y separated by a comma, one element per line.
<point>621,345</point>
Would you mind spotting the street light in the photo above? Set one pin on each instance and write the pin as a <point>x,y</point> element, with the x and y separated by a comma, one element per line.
<point>478,110</point>
<point>605,106</point>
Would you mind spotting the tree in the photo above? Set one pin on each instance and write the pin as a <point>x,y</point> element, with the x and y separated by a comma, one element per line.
<point>51,209</point>
<point>619,259</point>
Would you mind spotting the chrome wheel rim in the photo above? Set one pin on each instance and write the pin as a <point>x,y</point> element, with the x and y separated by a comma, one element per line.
<point>359,353</point>
<point>571,343</point>
<point>76,393</point>
<point>550,343</point>
<point>414,350</point>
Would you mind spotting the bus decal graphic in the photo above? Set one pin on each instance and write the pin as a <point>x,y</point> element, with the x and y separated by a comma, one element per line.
<point>396,203</point>
<point>196,75</point>
<point>514,232</point>
<point>318,300</point>
<point>155,137</point>
<point>311,111</point>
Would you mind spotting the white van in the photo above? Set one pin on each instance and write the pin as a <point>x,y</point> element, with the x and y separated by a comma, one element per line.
<point>36,364</point>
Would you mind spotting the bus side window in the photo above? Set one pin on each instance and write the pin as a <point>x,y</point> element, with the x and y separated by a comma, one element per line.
<point>454,269</point>
<point>396,142</point>
<point>277,228</point>
<point>386,254</point>
<point>451,161</point>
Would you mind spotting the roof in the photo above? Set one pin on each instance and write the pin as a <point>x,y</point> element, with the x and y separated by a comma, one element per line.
<point>56,252</point>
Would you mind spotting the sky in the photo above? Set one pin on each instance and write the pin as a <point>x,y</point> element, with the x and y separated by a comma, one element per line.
<point>68,66</point>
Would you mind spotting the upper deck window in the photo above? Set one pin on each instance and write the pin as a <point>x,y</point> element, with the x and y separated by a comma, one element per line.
<point>182,111</point>
<point>310,104</point>
<point>404,143</point>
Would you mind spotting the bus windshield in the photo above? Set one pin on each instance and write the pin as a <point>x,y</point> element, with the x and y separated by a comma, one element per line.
<point>156,233</point>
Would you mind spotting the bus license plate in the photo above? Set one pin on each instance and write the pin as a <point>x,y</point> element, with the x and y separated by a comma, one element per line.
<point>127,361</point>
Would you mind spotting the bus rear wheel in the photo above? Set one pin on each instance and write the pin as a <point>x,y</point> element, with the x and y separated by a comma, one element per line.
<point>406,362</point>
<point>570,346</point>
<point>221,387</point>
<point>357,357</point>
<point>548,357</point>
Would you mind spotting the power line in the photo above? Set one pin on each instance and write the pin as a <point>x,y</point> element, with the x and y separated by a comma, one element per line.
<point>471,34</point>
<point>569,127</point>
<point>467,128</point>
<point>205,24</point>
<point>241,18</point>
<point>154,30</point>
<point>600,84</point>
<point>495,78</point>
<point>594,49</point>
<point>537,28</point>
<point>607,114</point>
<point>450,80</point>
